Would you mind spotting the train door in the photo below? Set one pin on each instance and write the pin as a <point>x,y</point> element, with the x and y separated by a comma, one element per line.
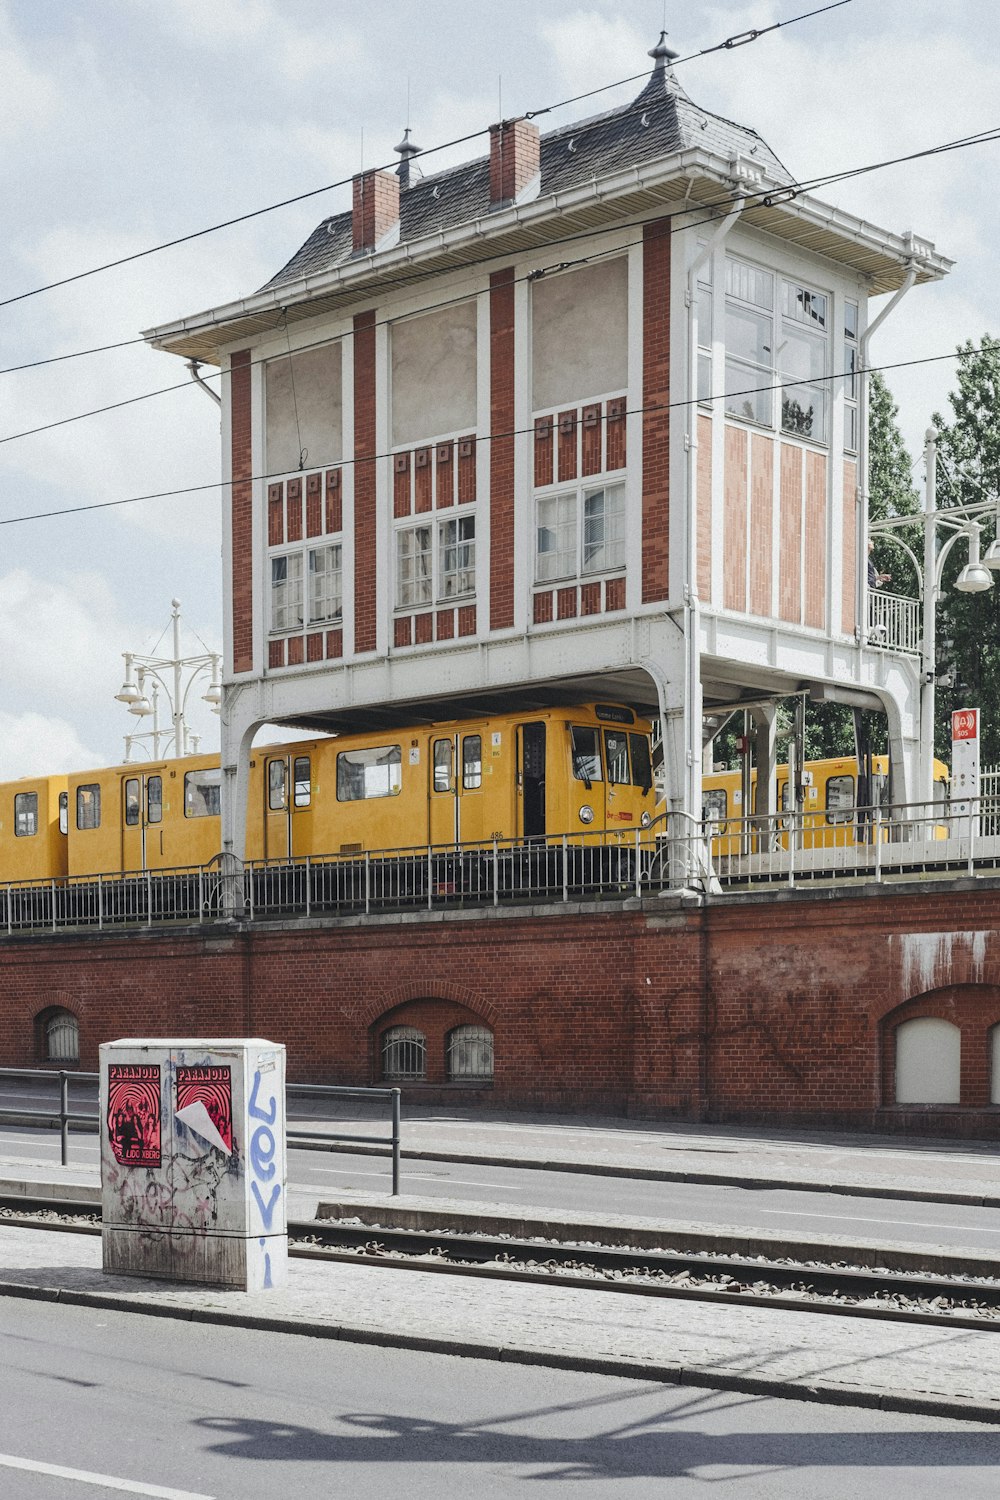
<point>141,821</point>
<point>457,797</point>
<point>531,780</point>
<point>287,806</point>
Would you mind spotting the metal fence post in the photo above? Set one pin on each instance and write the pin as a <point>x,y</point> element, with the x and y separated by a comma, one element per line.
<point>395,1142</point>
<point>368,882</point>
<point>149,898</point>
<point>308,887</point>
<point>972,826</point>
<point>10,919</point>
<point>565,870</point>
<point>201,893</point>
<point>496,873</point>
<point>52,895</point>
<point>100,901</point>
<point>638,865</point>
<point>877,830</point>
<point>63,1122</point>
<point>430,878</point>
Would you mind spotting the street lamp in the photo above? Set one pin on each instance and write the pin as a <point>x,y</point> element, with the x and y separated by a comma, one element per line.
<point>961,521</point>
<point>166,675</point>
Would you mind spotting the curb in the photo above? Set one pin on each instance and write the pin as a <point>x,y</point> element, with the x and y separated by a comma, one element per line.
<point>911,1402</point>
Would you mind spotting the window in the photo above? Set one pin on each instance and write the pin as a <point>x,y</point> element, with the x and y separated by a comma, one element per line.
<point>326,585</point>
<point>928,1062</point>
<point>277,797</point>
<point>376,772</point>
<point>64,812</point>
<point>25,815</point>
<point>616,757</point>
<point>472,762</point>
<point>131,802</point>
<point>154,799</point>
<point>88,806</point>
<point>470,1054</point>
<point>301,781</point>
<point>851,376</point>
<point>202,791</point>
<point>444,755</point>
<point>714,805</point>
<point>286,592</point>
<point>580,533</point>
<point>62,1037</point>
<point>784,345</point>
<point>840,799</point>
<point>404,1054</point>
<point>417,583</point>
<point>586,754</point>
<point>642,762</point>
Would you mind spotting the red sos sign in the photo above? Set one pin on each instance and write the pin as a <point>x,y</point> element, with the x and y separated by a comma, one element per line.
<point>965,724</point>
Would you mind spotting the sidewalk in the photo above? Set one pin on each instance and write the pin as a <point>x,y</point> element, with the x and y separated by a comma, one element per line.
<point>760,1351</point>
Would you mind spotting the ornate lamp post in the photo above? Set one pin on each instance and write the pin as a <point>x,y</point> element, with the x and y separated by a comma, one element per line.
<point>173,676</point>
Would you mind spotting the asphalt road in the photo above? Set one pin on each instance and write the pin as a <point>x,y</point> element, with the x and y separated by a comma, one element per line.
<point>118,1403</point>
<point>802,1214</point>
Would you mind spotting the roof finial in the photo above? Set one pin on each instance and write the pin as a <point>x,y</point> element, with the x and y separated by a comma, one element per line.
<point>406,149</point>
<point>661,54</point>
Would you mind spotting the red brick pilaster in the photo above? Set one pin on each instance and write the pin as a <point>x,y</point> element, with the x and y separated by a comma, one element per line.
<point>241,511</point>
<point>656,412</point>
<point>502,449</point>
<point>365,551</point>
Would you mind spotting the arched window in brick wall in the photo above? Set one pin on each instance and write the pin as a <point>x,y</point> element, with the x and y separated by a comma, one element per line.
<point>470,1054</point>
<point>59,1037</point>
<point>928,1062</point>
<point>404,1055</point>
<point>995,1065</point>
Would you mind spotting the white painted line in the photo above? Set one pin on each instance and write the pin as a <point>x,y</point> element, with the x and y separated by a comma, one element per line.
<point>407,1177</point>
<point>105,1481</point>
<point>865,1219</point>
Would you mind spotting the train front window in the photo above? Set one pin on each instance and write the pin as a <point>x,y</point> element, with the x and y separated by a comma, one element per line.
<point>88,806</point>
<point>376,772</point>
<point>472,762</point>
<point>444,754</point>
<point>132,802</point>
<point>64,812</point>
<point>839,799</point>
<point>276,798</point>
<point>25,815</point>
<point>154,799</point>
<point>616,755</point>
<point>586,754</point>
<point>202,793</point>
<point>642,765</point>
<point>301,781</point>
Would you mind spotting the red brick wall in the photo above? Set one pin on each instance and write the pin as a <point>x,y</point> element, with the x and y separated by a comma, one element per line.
<point>502,449</point>
<point>364,483</point>
<point>515,155</point>
<point>656,413</point>
<point>781,1010</point>
<point>375,208</point>
<point>241,512</point>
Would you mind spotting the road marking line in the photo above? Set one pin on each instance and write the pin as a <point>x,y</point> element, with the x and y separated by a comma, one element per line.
<point>106,1481</point>
<point>408,1177</point>
<point>867,1219</point>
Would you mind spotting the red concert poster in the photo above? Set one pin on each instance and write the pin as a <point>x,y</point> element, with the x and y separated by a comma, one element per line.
<point>134,1113</point>
<point>205,1104</point>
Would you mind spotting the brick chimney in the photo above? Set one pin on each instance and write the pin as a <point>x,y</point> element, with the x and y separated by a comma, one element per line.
<point>515,163</point>
<point>375,214</point>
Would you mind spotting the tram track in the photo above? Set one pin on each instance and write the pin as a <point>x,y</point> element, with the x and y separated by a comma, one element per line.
<point>772,1281</point>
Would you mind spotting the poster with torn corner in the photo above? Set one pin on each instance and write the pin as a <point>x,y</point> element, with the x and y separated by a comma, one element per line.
<point>193,1164</point>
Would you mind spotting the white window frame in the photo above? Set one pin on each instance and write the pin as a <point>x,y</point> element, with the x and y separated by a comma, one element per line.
<point>307,615</point>
<point>571,521</point>
<point>440,581</point>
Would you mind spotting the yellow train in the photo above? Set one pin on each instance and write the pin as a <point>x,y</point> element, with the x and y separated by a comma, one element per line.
<point>584,771</point>
<point>830,817</point>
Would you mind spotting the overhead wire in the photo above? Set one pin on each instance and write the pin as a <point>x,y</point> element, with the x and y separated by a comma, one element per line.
<point>460,140</point>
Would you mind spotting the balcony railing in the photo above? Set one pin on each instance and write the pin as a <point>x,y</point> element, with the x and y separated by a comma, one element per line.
<point>893,621</point>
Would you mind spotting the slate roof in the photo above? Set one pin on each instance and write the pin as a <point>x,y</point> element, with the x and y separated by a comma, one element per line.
<point>660,122</point>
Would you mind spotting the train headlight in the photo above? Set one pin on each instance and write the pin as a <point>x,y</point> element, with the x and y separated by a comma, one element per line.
<point>646,819</point>
<point>586,813</point>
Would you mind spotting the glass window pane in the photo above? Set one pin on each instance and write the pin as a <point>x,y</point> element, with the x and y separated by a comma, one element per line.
<point>840,799</point>
<point>704,379</point>
<point>850,372</point>
<point>375,772</point>
<point>414,567</point>
<point>749,284</point>
<point>802,355</point>
<point>470,1052</point>
<point>472,762</point>
<point>154,799</point>
<point>458,557</point>
<point>748,393</point>
<point>286,592</point>
<point>555,538</point>
<point>851,320</point>
<point>131,802</point>
<point>301,781</point>
<point>404,1053</point>
<point>88,806</point>
<point>604,529</point>
<point>642,763</point>
<point>202,793</point>
<point>705,312</point>
<point>616,757</point>
<point>586,753</point>
<point>64,812</point>
<point>714,804</point>
<point>749,335</point>
<point>803,411</point>
<point>326,599</point>
<point>851,428</point>
<point>444,754</point>
<point>803,306</point>
<point>276,775</point>
<point>25,815</point>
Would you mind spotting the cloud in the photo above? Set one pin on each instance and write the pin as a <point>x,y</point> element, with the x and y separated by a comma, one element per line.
<point>33,744</point>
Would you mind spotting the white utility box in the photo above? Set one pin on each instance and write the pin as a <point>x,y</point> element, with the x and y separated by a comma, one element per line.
<point>193,1161</point>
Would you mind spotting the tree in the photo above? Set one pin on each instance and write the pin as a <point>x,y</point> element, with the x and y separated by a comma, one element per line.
<point>891,491</point>
<point>968,625</point>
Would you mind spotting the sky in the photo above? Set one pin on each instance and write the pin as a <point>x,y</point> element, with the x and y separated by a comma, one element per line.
<point>127,123</point>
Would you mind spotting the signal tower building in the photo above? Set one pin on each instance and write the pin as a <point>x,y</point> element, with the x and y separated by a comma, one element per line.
<point>582,418</point>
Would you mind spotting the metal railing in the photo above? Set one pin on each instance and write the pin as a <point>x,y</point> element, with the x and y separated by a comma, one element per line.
<point>64,1117</point>
<point>893,621</point>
